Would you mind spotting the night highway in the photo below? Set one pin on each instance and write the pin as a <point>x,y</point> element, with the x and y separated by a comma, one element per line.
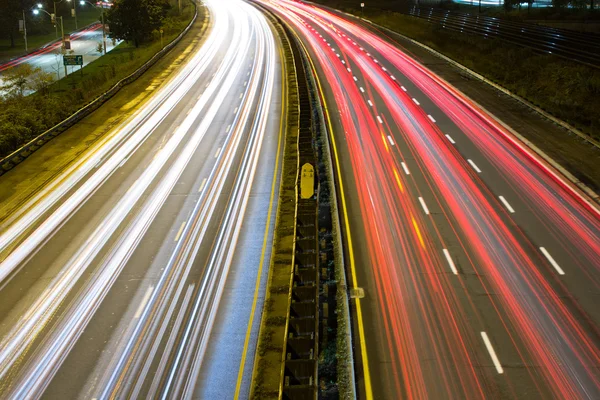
<point>479,263</point>
<point>276,147</point>
<point>112,274</point>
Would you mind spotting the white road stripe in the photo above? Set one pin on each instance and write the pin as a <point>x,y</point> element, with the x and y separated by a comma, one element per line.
<point>355,80</point>
<point>391,140</point>
<point>503,200</point>
<point>393,77</point>
<point>379,119</point>
<point>552,261</point>
<point>431,118</point>
<point>202,185</point>
<point>180,231</point>
<point>450,262</point>
<point>349,70</point>
<point>369,101</point>
<point>361,89</point>
<point>406,171</point>
<point>490,350</point>
<point>416,102</point>
<point>145,299</point>
<point>424,205</point>
<point>475,167</point>
<point>228,128</point>
<point>217,153</point>
<point>403,88</point>
<point>450,139</point>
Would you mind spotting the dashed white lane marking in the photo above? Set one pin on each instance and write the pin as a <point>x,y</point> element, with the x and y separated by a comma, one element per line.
<point>235,111</point>
<point>431,118</point>
<point>349,70</point>
<point>490,350</point>
<point>145,299</point>
<point>241,95</point>
<point>361,89</point>
<point>379,119</point>
<point>354,77</point>
<point>390,140</point>
<point>180,231</point>
<point>403,88</point>
<point>503,200</point>
<point>450,139</point>
<point>416,102</point>
<point>369,101</point>
<point>424,205</point>
<point>450,262</point>
<point>218,152</point>
<point>552,261</point>
<point>343,62</point>
<point>202,185</point>
<point>228,128</point>
<point>405,168</point>
<point>393,77</point>
<point>475,167</point>
<point>245,83</point>
<point>383,68</point>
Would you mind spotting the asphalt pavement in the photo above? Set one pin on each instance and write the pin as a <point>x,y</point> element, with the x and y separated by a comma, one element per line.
<point>135,272</point>
<point>479,262</point>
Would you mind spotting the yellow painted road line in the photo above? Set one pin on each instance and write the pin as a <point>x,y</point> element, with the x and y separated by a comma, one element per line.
<point>180,231</point>
<point>238,385</point>
<point>359,317</point>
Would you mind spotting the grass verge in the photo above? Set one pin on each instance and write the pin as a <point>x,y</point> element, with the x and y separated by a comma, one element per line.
<point>567,90</point>
<point>267,363</point>
<point>24,118</point>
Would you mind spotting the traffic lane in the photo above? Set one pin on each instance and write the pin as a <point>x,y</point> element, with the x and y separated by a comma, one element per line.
<point>241,252</point>
<point>225,351</point>
<point>534,190</point>
<point>582,318</point>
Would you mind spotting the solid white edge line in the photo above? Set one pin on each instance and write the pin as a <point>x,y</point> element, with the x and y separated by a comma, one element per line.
<point>144,302</point>
<point>552,261</point>
<point>424,205</point>
<point>431,118</point>
<point>506,204</point>
<point>475,167</point>
<point>406,171</point>
<point>450,262</point>
<point>490,350</point>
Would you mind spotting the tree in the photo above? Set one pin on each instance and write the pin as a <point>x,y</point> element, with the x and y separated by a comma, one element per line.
<point>11,11</point>
<point>17,79</point>
<point>41,81</point>
<point>135,20</point>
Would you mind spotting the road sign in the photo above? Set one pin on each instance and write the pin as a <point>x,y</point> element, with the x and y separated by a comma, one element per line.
<point>73,60</point>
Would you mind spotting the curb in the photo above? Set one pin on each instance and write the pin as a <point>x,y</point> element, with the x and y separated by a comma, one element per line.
<point>19,155</point>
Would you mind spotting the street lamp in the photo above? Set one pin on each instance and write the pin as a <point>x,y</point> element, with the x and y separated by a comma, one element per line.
<point>25,23</point>
<point>53,19</point>
<point>82,2</point>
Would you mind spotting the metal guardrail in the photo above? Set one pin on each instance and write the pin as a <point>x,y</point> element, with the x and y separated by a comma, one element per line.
<point>17,156</point>
<point>575,46</point>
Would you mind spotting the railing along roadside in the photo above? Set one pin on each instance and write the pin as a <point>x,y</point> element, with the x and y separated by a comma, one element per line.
<point>17,156</point>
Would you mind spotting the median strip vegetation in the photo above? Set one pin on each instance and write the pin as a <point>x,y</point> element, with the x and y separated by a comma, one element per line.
<point>23,118</point>
<point>568,90</point>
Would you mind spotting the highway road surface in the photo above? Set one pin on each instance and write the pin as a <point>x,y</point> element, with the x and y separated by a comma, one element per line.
<point>135,273</point>
<point>479,262</point>
<point>49,58</point>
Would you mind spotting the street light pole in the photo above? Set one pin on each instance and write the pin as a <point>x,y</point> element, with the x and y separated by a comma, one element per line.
<point>82,2</point>
<point>25,31</point>
<point>75,13</point>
